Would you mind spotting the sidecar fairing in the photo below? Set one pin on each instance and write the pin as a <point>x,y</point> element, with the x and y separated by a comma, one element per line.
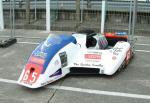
<point>60,55</point>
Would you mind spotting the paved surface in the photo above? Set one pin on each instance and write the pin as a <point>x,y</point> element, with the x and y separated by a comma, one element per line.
<point>133,80</point>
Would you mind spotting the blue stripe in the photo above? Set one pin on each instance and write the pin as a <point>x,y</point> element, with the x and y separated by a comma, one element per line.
<point>51,46</point>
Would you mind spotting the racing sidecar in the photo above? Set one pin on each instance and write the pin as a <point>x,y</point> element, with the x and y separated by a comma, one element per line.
<point>87,53</point>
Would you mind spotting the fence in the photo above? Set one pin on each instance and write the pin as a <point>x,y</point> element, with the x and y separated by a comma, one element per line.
<point>66,19</point>
<point>64,15</point>
<point>37,16</point>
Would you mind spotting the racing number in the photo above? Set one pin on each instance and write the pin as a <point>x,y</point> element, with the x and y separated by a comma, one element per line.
<point>30,79</point>
<point>34,76</point>
<point>26,75</point>
<point>31,73</point>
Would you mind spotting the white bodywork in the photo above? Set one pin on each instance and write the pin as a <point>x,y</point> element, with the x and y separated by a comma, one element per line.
<point>108,61</point>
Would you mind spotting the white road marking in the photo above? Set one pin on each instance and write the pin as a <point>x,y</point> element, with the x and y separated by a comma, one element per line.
<point>99,92</point>
<point>8,54</point>
<point>90,91</point>
<point>139,36</point>
<point>8,81</point>
<point>2,36</point>
<point>47,32</point>
<point>34,43</point>
<point>142,44</point>
<point>144,51</point>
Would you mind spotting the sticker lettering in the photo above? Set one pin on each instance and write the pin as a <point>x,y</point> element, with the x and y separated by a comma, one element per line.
<point>92,56</point>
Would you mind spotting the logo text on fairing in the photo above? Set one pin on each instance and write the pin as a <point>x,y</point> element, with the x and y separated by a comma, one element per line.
<point>117,50</point>
<point>63,59</point>
<point>40,54</point>
<point>37,60</point>
<point>92,56</point>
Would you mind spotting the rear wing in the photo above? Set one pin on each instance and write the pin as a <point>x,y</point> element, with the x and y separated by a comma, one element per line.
<point>116,35</point>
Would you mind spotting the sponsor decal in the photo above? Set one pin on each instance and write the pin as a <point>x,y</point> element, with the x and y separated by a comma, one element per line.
<point>92,56</point>
<point>57,73</point>
<point>97,65</point>
<point>94,52</point>
<point>40,54</point>
<point>93,60</point>
<point>26,82</point>
<point>76,64</point>
<point>63,59</point>
<point>37,60</point>
<point>85,64</point>
<point>31,74</point>
<point>90,65</point>
<point>117,50</point>
<point>114,58</point>
<point>128,56</point>
<point>47,44</point>
<point>56,62</point>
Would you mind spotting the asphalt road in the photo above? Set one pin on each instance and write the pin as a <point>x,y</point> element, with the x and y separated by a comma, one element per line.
<point>133,81</point>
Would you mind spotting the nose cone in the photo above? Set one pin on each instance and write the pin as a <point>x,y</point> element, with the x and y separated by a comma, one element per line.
<point>30,75</point>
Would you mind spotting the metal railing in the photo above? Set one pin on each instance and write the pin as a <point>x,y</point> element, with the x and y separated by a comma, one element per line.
<point>63,16</point>
<point>71,5</point>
